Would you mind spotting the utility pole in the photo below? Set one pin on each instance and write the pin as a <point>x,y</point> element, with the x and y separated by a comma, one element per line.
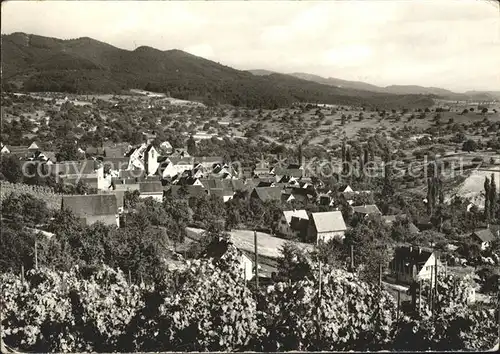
<point>256,260</point>
<point>22,273</point>
<point>399,304</point>
<point>419,296</point>
<point>380,276</point>
<point>129,278</point>
<point>352,258</point>
<point>319,301</point>
<point>435,297</point>
<point>36,252</point>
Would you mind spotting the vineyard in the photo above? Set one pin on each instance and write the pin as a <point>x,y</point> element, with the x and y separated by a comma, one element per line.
<point>207,307</point>
<point>46,194</point>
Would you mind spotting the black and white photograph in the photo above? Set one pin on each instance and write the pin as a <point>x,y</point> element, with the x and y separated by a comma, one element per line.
<point>250,176</point>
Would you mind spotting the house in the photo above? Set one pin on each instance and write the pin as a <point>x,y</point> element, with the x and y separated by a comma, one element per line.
<point>151,189</point>
<point>172,166</point>
<point>120,194</point>
<point>20,152</point>
<point>285,226</point>
<point>326,199</point>
<point>180,153</point>
<point>292,170</point>
<point>345,189</point>
<point>325,226</point>
<point>224,193</point>
<point>411,263</point>
<point>150,160</point>
<point>220,250</point>
<point>87,171</point>
<point>93,208</point>
<point>365,210</point>
<point>390,219</point>
<point>484,237</point>
<point>266,193</point>
<point>176,191</point>
<point>166,148</point>
<point>144,157</point>
<point>34,146</point>
<point>187,180</point>
<point>48,157</point>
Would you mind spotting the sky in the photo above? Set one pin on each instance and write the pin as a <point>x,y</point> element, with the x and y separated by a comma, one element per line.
<point>453,44</point>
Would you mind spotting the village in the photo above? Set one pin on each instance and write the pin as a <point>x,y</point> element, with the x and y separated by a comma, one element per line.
<point>292,176</point>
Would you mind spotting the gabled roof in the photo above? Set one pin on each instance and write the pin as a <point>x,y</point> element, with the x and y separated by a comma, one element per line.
<point>151,187</point>
<point>88,205</point>
<point>329,221</point>
<point>139,174</point>
<point>413,255</point>
<point>192,191</point>
<point>186,181</point>
<point>221,192</point>
<point>267,193</point>
<point>84,167</point>
<point>116,163</point>
<point>367,209</point>
<point>485,235</point>
<point>301,213</point>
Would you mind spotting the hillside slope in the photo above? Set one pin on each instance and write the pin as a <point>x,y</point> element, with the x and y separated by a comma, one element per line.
<point>84,65</point>
<point>395,89</point>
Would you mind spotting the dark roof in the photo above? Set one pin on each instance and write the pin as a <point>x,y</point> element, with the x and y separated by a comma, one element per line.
<point>94,204</point>
<point>82,167</point>
<point>132,174</point>
<point>265,184</point>
<point>221,192</point>
<point>90,181</point>
<point>116,163</point>
<point>412,255</point>
<point>485,235</point>
<point>267,193</point>
<point>186,181</point>
<point>192,191</point>
<point>119,196</point>
<point>292,172</point>
<point>116,151</point>
<point>151,187</point>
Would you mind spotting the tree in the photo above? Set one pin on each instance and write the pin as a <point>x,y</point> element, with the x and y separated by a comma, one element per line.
<point>68,151</point>
<point>293,264</point>
<point>487,196</point>
<point>191,146</point>
<point>492,196</point>
<point>469,145</point>
<point>489,279</point>
<point>131,199</point>
<point>10,168</point>
<point>25,209</point>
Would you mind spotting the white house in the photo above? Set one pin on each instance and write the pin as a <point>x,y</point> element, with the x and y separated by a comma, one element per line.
<point>484,237</point>
<point>325,226</point>
<point>151,189</point>
<point>172,167</point>
<point>285,223</point>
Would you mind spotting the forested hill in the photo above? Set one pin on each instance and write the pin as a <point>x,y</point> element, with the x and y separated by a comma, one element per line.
<point>84,65</point>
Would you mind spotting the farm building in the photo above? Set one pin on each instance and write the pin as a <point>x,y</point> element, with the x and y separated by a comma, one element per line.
<point>325,226</point>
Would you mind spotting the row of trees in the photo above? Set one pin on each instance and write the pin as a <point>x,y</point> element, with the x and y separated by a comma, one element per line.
<point>490,199</point>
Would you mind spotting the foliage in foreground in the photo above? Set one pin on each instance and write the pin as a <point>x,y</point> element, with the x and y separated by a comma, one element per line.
<point>205,305</point>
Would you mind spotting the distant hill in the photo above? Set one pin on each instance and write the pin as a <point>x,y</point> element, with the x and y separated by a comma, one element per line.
<point>85,65</point>
<point>394,89</point>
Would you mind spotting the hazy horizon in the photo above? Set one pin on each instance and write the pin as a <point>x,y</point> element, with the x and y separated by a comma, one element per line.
<point>453,44</point>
